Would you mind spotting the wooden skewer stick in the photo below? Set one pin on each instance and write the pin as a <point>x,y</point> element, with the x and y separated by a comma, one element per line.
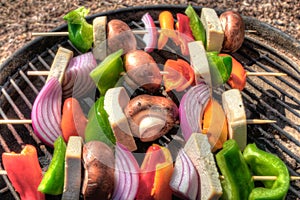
<point>136,31</point>
<point>50,34</point>
<point>15,121</point>
<point>255,178</point>
<point>268,178</point>
<point>28,121</point>
<point>260,121</point>
<point>45,73</point>
<point>265,74</point>
<point>38,73</point>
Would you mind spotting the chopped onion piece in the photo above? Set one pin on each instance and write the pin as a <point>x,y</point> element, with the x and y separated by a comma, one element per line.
<point>191,109</point>
<point>149,38</point>
<point>77,82</point>
<point>126,174</point>
<point>46,112</point>
<point>185,179</point>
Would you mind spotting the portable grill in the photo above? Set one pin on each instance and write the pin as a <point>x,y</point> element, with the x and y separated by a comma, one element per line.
<point>265,49</point>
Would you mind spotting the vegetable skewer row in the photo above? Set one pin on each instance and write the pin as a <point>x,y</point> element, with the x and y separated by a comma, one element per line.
<point>255,178</point>
<point>55,34</point>
<point>68,158</point>
<point>46,73</point>
<point>215,32</point>
<point>212,30</point>
<point>29,121</point>
<point>116,27</point>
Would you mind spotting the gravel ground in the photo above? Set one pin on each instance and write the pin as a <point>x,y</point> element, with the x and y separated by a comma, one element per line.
<point>19,18</point>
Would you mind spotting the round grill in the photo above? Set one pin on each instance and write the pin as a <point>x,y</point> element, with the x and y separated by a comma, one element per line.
<point>265,49</point>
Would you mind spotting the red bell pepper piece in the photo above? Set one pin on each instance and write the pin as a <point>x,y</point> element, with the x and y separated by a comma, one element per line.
<point>185,34</point>
<point>24,172</point>
<point>156,172</point>
<point>237,79</point>
<point>73,120</point>
<point>166,22</point>
<point>180,75</point>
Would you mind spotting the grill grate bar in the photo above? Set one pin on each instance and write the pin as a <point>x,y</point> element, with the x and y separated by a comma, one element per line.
<point>28,103</point>
<point>282,103</point>
<point>74,48</point>
<point>278,66</point>
<point>247,67</point>
<point>280,78</point>
<point>35,69</point>
<point>9,187</point>
<point>51,53</point>
<point>266,105</point>
<point>273,51</point>
<point>278,88</point>
<point>282,147</point>
<point>295,191</point>
<point>21,116</point>
<point>281,131</point>
<point>29,82</point>
<point>3,144</point>
<point>13,130</point>
<point>14,106</point>
<point>43,62</point>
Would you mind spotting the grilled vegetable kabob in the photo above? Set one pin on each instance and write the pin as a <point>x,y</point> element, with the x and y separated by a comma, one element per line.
<point>225,32</point>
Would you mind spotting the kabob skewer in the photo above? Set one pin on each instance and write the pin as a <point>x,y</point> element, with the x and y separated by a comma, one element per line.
<point>46,73</point>
<point>255,178</point>
<point>29,121</point>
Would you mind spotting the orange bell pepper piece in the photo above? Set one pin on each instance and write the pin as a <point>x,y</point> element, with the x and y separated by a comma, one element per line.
<point>24,172</point>
<point>156,172</point>
<point>161,189</point>
<point>166,22</point>
<point>180,75</point>
<point>237,79</point>
<point>73,120</point>
<point>218,132</point>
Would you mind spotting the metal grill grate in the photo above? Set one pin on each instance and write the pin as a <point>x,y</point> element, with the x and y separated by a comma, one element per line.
<point>264,97</point>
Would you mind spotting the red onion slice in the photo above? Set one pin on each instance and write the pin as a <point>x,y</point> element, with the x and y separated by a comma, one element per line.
<point>46,112</point>
<point>149,38</point>
<point>185,178</point>
<point>191,109</point>
<point>126,174</point>
<point>77,82</point>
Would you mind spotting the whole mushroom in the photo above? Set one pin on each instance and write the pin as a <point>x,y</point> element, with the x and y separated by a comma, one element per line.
<point>143,70</point>
<point>234,30</point>
<point>150,117</point>
<point>99,164</point>
<point>120,36</point>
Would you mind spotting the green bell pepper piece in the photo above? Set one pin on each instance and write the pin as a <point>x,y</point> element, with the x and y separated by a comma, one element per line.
<point>80,32</point>
<point>53,180</point>
<point>266,164</point>
<point>220,67</point>
<point>98,127</point>
<point>237,183</point>
<point>196,25</point>
<point>108,72</point>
